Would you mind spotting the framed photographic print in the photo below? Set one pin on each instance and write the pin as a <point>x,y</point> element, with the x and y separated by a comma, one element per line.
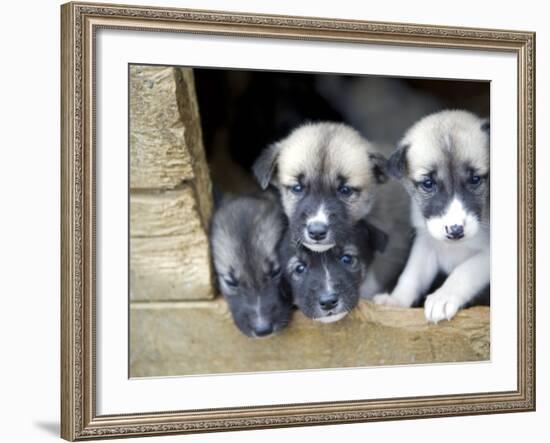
<point>282,221</point>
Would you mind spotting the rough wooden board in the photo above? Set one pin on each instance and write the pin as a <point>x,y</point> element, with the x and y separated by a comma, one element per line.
<point>190,117</point>
<point>170,268</point>
<point>158,159</point>
<point>170,203</point>
<point>173,212</point>
<point>157,142</point>
<point>153,97</point>
<point>200,338</point>
<point>165,135</point>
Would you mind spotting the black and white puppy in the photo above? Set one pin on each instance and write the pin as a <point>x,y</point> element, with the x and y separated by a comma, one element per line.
<point>443,162</point>
<point>326,285</point>
<point>244,237</point>
<point>327,175</point>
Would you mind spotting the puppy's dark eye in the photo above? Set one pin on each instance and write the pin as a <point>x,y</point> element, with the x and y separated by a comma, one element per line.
<point>346,259</point>
<point>231,281</point>
<point>297,189</point>
<point>300,268</point>
<point>344,190</point>
<point>475,180</point>
<point>275,272</point>
<point>428,185</point>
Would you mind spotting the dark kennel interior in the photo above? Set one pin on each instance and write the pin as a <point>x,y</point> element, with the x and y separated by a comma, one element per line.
<point>242,112</point>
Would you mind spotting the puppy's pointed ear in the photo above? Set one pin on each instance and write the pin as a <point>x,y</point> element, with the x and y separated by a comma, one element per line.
<point>264,167</point>
<point>376,238</point>
<point>379,165</point>
<point>397,164</point>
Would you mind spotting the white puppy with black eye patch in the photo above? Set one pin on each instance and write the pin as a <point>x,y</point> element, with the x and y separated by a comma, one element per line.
<point>443,162</point>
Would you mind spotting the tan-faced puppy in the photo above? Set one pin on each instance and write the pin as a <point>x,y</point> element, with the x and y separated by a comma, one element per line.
<point>443,162</point>
<point>327,175</point>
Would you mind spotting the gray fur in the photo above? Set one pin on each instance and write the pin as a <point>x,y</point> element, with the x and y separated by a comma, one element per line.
<point>391,214</point>
<point>245,234</point>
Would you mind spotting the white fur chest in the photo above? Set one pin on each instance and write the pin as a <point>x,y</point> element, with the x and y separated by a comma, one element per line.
<point>451,254</point>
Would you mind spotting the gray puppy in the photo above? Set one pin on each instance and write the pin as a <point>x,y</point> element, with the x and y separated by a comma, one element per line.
<point>326,285</point>
<point>244,236</point>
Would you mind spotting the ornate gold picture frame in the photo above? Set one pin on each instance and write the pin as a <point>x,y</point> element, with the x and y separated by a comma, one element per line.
<point>80,22</point>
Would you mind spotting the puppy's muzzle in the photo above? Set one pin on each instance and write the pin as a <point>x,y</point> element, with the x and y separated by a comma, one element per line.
<point>317,231</point>
<point>454,232</point>
<point>328,301</point>
<point>263,330</point>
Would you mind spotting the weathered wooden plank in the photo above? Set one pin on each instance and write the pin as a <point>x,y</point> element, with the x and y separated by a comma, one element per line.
<point>165,134</point>
<point>170,268</point>
<point>190,116</point>
<point>158,159</point>
<point>170,200</point>
<point>184,338</point>
<point>153,97</point>
<point>165,213</point>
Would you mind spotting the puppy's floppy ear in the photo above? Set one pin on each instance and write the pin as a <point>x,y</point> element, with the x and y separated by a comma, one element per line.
<point>376,238</point>
<point>265,165</point>
<point>397,164</point>
<point>379,167</point>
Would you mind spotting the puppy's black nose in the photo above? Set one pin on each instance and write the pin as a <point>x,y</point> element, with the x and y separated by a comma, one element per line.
<point>263,330</point>
<point>317,230</point>
<point>454,232</point>
<point>328,301</point>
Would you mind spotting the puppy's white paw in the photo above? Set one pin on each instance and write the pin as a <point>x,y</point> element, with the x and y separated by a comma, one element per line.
<point>386,300</point>
<point>441,305</point>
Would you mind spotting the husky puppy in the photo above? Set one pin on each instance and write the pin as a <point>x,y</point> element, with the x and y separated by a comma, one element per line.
<point>244,236</point>
<point>327,176</point>
<point>326,285</point>
<point>443,162</point>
